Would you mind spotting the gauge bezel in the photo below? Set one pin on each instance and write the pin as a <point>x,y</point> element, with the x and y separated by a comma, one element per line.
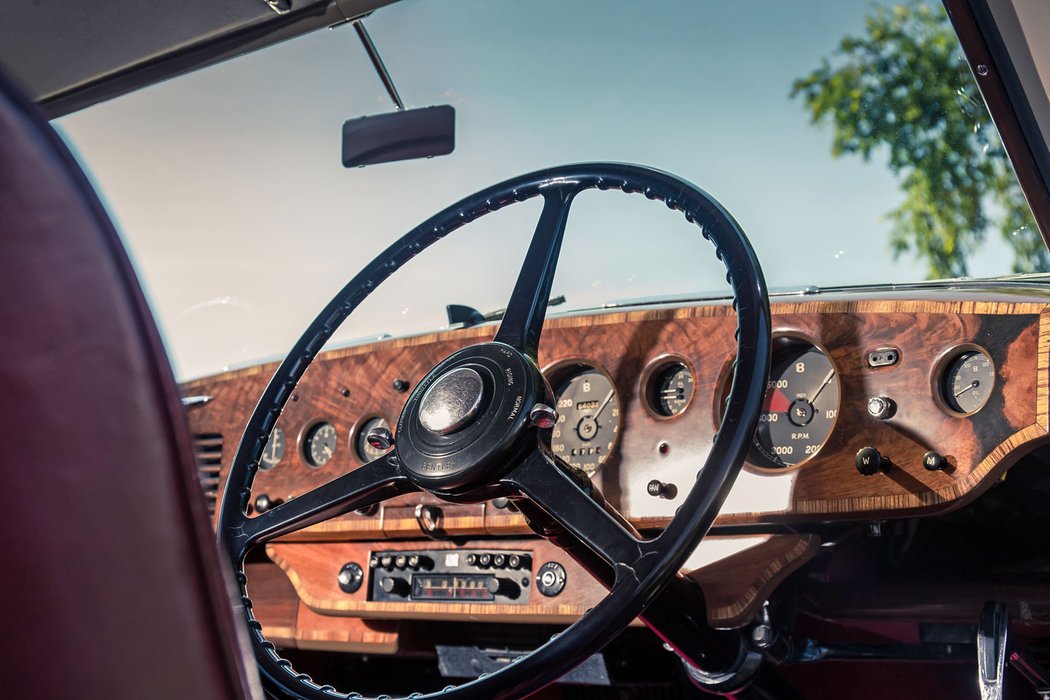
<point>939,374</point>
<point>560,371</point>
<point>782,339</point>
<point>303,443</point>
<point>355,433</point>
<point>650,373</point>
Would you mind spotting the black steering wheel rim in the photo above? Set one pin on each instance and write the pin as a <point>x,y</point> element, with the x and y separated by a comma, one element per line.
<point>652,562</point>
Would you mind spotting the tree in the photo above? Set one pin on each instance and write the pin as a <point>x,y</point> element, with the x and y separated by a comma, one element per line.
<point>904,88</point>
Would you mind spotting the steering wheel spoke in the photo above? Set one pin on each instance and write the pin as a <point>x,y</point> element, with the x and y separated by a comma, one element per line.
<point>568,503</point>
<point>376,481</point>
<point>523,320</point>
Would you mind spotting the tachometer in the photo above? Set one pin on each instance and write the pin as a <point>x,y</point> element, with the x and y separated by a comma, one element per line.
<point>801,406</point>
<point>968,381</point>
<point>588,420</point>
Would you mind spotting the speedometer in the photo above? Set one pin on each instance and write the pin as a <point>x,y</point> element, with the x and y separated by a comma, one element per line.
<point>588,420</point>
<point>800,409</point>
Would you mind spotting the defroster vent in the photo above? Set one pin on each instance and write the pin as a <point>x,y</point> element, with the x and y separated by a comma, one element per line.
<point>207,448</point>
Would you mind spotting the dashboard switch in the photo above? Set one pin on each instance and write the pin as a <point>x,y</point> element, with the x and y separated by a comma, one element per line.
<point>934,461</point>
<point>550,579</point>
<point>870,462</point>
<point>881,407</point>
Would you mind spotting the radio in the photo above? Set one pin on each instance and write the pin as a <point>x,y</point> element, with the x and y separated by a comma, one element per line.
<point>465,576</point>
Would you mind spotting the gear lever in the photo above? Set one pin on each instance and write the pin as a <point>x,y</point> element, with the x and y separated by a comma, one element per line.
<point>991,650</point>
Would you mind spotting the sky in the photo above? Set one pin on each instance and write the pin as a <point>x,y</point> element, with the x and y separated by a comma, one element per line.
<point>228,189</point>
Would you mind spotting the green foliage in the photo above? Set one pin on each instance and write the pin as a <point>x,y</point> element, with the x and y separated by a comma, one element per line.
<point>904,89</point>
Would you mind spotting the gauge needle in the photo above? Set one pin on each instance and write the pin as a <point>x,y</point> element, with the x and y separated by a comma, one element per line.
<point>327,450</point>
<point>827,380</point>
<point>605,403</point>
<point>973,385</point>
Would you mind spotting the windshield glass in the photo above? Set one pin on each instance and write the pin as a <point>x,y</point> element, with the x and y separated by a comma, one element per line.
<point>848,139</point>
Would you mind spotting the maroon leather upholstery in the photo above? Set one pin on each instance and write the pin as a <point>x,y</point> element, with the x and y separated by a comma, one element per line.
<point>110,580</point>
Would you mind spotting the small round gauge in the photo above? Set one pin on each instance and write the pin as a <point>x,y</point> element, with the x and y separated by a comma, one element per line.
<point>670,389</point>
<point>274,450</point>
<point>588,420</point>
<point>320,444</point>
<point>968,381</point>
<point>800,409</point>
<point>365,452</point>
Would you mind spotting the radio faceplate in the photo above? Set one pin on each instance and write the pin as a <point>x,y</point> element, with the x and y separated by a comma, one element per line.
<point>460,576</point>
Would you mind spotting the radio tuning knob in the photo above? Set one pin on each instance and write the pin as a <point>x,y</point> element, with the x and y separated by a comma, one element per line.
<point>394,585</point>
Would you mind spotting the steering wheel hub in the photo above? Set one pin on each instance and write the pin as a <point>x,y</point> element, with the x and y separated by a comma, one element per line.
<point>452,401</point>
<point>466,417</point>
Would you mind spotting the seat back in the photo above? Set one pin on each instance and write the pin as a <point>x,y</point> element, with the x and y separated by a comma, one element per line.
<point>110,583</point>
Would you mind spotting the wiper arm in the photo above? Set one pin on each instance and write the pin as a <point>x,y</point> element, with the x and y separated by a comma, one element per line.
<point>465,316</point>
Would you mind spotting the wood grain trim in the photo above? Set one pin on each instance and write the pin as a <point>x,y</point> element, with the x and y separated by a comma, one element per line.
<point>733,586</point>
<point>309,567</point>
<point>1042,396</point>
<point>737,586</point>
<point>346,384</point>
<point>712,310</point>
<point>345,634</point>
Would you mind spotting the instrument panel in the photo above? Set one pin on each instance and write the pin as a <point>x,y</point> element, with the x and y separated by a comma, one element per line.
<point>640,396</point>
<point>875,408</point>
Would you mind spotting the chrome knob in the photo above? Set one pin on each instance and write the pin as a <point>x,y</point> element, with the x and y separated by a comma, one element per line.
<point>380,438</point>
<point>881,407</point>
<point>543,416</point>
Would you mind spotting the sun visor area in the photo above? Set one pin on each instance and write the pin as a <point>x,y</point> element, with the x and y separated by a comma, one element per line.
<point>70,55</point>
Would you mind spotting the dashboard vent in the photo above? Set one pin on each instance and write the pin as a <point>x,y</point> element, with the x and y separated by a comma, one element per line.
<point>207,448</point>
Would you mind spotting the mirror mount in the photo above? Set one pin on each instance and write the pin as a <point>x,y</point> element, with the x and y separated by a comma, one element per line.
<point>401,135</point>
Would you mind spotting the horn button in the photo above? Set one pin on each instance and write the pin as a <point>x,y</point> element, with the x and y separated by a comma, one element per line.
<point>464,421</point>
<point>451,401</point>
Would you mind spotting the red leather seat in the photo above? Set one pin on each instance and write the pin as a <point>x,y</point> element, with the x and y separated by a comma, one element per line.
<point>111,584</point>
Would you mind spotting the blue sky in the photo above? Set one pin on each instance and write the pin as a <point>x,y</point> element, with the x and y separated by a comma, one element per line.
<point>228,188</point>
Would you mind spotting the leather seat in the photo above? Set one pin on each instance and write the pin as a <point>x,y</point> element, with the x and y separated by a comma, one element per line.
<point>111,583</point>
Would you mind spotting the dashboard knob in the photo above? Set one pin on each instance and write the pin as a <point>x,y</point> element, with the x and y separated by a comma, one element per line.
<point>350,577</point>
<point>394,585</point>
<point>550,579</point>
<point>870,462</point>
<point>263,503</point>
<point>380,438</point>
<point>543,416</point>
<point>658,489</point>
<point>881,407</point>
<point>934,461</point>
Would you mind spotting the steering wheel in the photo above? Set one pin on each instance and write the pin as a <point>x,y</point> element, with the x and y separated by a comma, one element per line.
<point>477,427</point>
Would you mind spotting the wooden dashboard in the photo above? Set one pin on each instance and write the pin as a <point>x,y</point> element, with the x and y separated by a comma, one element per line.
<point>349,386</point>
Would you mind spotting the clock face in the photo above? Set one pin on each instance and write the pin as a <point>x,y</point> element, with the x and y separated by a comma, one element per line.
<point>320,444</point>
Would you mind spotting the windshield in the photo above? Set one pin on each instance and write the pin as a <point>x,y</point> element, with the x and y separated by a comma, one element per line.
<point>848,139</point>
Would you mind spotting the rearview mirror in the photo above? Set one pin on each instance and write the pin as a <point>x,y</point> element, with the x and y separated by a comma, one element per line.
<point>384,138</point>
